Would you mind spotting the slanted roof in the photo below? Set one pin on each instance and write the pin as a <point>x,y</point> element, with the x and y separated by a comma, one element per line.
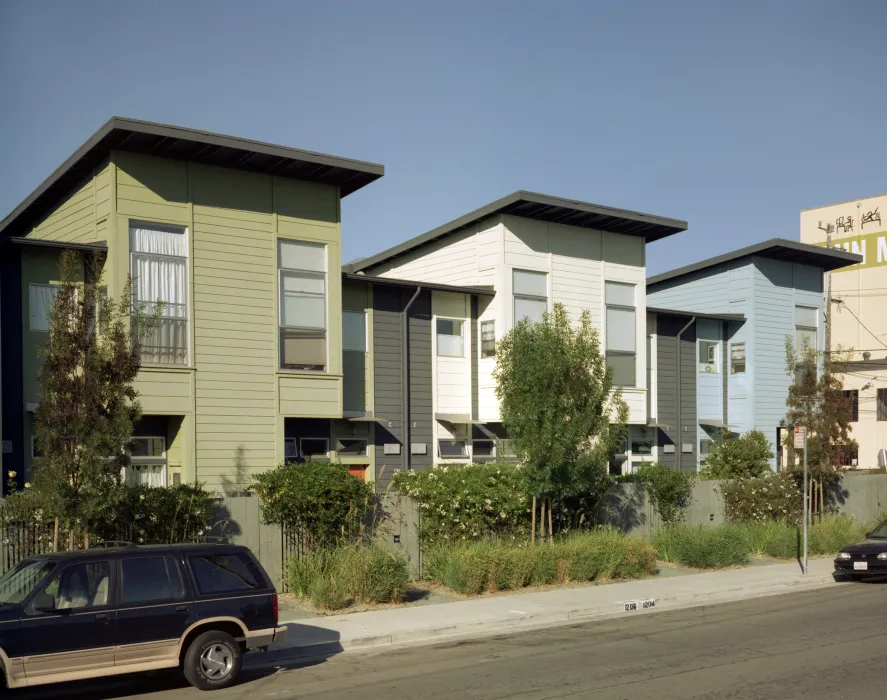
<point>776,249</point>
<point>479,290</point>
<point>541,207</point>
<point>177,142</point>
<point>678,312</point>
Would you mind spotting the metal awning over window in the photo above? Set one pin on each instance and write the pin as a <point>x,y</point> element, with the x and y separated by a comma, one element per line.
<point>457,418</point>
<point>362,417</point>
<point>714,422</point>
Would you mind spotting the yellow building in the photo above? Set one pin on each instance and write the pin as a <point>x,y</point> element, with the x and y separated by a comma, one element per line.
<point>859,313</point>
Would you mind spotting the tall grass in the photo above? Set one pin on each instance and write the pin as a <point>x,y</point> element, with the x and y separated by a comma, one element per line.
<point>702,547</point>
<point>336,578</point>
<point>490,566</point>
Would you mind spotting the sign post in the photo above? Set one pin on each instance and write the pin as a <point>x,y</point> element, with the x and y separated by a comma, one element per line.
<point>801,444</point>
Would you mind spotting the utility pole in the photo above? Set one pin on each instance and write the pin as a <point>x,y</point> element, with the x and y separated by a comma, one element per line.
<point>829,229</point>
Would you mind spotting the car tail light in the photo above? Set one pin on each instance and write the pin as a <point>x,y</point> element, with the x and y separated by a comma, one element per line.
<point>276,612</point>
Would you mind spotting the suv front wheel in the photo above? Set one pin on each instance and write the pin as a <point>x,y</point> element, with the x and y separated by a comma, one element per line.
<point>213,660</point>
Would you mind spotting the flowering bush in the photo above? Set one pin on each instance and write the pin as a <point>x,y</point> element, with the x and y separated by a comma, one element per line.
<point>467,502</point>
<point>762,499</point>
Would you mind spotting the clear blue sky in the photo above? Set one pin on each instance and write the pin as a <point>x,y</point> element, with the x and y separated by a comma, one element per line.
<point>733,116</point>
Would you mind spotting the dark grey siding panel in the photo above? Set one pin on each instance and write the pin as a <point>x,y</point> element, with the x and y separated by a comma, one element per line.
<point>725,368</point>
<point>475,351</point>
<point>667,328</point>
<point>354,380</point>
<point>388,378</point>
<point>420,381</point>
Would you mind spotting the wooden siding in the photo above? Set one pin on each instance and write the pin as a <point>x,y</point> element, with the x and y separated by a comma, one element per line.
<point>577,273</point>
<point>669,392</point>
<point>166,392</point>
<point>387,361</point>
<point>421,413</point>
<point>706,291</point>
<point>74,220</point>
<point>310,396</point>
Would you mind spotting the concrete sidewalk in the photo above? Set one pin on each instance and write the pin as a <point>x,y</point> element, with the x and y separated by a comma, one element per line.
<point>501,613</point>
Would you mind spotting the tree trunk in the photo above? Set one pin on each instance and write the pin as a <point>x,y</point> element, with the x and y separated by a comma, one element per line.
<point>71,539</point>
<point>533,525</point>
<point>550,528</point>
<point>55,536</point>
<point>542,523</point>
<point>86,540</point>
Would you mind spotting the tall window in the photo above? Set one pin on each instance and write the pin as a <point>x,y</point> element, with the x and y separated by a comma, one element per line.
<point>354,331</point>
<point>621,332</point>
<point>851,396</point>
<point>806,324</point>
<point>530,295</point>
<point>302,287</point>
<point>488,339</point>
<point>159,267</point>
<point>737,358</point>
<point>882,404</point>
<point>450,337</point>
<point>708,356</point>
<point>40,300</point>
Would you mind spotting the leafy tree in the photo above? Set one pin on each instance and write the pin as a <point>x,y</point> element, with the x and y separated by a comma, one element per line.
<point>669,490</point>
<point>88,404</point>
<point>558,403</point>
<point>816,400</point>
<point>738,457</point>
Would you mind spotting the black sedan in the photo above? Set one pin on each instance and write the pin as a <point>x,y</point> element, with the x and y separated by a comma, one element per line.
<point>865,559</point>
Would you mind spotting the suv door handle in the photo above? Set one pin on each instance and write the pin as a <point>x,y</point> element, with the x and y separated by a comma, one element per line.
<point>181,608</point>
<point>101,616</point>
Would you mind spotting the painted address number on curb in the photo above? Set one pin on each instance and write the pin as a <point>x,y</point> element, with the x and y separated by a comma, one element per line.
<point>632,605</point>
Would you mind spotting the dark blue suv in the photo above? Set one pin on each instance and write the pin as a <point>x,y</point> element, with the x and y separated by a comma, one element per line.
<point>124,609</point>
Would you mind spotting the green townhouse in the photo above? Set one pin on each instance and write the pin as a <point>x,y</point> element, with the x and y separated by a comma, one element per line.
<point>241,240</point>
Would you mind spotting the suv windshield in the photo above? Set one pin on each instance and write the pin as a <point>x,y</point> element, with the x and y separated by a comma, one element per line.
<point>18,583</point>
<point>880,531</point>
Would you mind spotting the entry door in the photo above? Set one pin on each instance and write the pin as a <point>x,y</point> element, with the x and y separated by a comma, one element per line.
<point>78,634</point>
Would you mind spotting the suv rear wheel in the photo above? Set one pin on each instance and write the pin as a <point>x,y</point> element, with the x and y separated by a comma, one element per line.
<point>213,660</point>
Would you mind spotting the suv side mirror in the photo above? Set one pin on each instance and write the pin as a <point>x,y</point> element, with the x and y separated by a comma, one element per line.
<point>44,602</point>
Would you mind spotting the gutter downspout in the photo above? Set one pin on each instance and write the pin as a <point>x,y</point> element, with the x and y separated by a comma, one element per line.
<point>405,357</point>
<point>680,390</point>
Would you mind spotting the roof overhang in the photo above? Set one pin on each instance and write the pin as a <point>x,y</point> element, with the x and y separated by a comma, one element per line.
<point>775,249</point>
<point>179,143</point>
<point>541,207</point>
<point>687,314</point>
<point>480,290</point>
<point>97,247</point>
<point>457,419</point>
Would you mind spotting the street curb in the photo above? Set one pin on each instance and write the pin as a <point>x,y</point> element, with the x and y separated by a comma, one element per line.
<point>530,621</point>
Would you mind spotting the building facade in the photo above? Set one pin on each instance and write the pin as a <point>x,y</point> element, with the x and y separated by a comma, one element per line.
<point>858,293</point>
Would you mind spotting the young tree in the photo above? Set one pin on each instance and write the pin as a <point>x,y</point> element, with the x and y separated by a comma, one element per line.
<point>88,406</point>
<point>738,457</point>
<point>558,404</point>
<point>816,400</point>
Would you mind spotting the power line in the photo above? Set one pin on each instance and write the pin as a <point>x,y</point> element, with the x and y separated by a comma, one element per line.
<point>838,301</point>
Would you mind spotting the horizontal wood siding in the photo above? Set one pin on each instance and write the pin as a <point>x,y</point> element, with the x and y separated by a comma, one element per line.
<point>421,418</point>
<point>388,363</point>
<point>73,221</point>
<point>707,291</point>
<point>311,396</point>
<point>670,392</point>
<point>165,392</point>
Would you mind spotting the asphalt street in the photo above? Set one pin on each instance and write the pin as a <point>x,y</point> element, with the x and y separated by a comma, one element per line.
<point>824,644</point>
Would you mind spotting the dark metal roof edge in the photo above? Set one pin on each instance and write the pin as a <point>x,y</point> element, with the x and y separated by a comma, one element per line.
<point>98,246</point>
<point>497,207</point>
<point>372,169</point>
<point>680,312</point>
<point>841,258</point>
<point>480,290</point>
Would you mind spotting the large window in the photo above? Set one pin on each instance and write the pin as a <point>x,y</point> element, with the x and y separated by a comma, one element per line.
<point>882,404</point>
<point>151,580</point>
<point>159,267</point>
<point>737,358</point>
<point>708,356</point>
<point>452,449</point>
<point>621,332</point>
<point>450,337</point>
<point>851,397</point>
<point>354,331</point>
<point>488,339</point>
<point>303,314</point>
<point>40,300</point>
<point>148,465</point>
<point>530,295</point>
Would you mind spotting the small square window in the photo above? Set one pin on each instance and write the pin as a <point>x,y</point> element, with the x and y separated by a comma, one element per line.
<point>737,358</point>
<point>488,339</point>
<point>452,449</point>
<point>708,356</point>
<point>313,448</point>
<point>449,337</point>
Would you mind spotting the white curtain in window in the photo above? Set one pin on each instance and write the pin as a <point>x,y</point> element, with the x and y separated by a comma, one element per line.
<point>161,279</point>
<point>620,294</point>
<point>806,316</point>
<point>450,345</point>
<point>301,255</point>
<point>145,475</point>
<point>40,299</point>
<point>159,241</point>
<point>528,283</point>
<point>620,330</point>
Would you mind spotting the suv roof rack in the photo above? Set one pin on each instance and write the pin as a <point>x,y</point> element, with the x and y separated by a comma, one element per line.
<point>113,543</point>
<point>212,539</point>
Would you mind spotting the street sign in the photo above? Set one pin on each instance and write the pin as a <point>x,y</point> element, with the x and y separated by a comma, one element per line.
<point>800,437</point>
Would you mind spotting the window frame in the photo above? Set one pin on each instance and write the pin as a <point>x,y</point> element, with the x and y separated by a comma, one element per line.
<point>56,288</point>
<point>464,454</point>
<point>306,457</point>
<point>622,353</point>
<point>185,230</point>
<point>716,344</point>
<point>281,327</point>
<point>366,332</point>
<point>57,572</point>
<point>462,323</point>
<point>255,572</point>
<point>744,358</point>
<point>162,461</point>
<point>492,324</point>
<point>123,605</point>
<point>529,297</point>
<point>289,459</point>
<point>487,458</point>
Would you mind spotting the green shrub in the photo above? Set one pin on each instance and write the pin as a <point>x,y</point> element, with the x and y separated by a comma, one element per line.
<point>468,502</point>
<point>773,539</point>
<point>473,568</point>
<point>742,457</point>
<point>773,497</point>
<point>348,575</point>
<point>321,498</point>
<point>702,547</point>
<point>834,533</point>
<point>669,490</point>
